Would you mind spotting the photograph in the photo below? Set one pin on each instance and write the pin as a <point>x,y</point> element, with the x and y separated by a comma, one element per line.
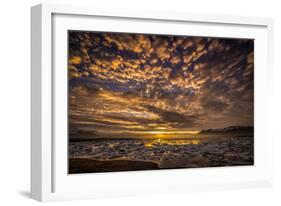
<point>155,101</point>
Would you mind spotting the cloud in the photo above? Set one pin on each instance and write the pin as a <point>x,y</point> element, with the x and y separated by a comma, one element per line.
<point>75,60</point>
<point>128,82</point>
<point>135,43</point>
<point>173,117</point>
<point>214,105</point>
<point>161,48</point>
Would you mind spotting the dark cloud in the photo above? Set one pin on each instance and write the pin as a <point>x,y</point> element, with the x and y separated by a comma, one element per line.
<point>214,105</point>
<point>173,117</point>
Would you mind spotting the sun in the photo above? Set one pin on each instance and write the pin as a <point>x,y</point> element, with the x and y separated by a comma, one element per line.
<point>158,132</point>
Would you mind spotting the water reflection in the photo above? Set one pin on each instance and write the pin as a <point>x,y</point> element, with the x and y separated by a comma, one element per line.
<point>158,142</point>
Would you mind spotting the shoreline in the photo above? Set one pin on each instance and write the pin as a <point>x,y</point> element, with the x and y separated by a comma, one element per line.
<point>132,155</point>
<point>80,165</point>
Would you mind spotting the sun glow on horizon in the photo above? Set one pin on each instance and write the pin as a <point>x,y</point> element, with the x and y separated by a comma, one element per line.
<point>174,132</point>
<point>170,134</point>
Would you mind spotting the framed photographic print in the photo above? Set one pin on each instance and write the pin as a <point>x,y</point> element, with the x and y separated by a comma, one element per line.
<point>140,102</point>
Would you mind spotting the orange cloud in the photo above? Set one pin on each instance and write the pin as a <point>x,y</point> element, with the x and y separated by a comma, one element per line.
<point>75,60</point>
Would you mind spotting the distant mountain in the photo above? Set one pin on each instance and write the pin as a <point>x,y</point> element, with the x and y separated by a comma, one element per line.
<point>229,130</point>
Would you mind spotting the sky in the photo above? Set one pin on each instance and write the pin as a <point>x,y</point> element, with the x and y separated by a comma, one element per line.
<point>139,83</point>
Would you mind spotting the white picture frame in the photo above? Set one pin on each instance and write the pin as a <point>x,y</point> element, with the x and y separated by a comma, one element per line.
<point>49,179</point>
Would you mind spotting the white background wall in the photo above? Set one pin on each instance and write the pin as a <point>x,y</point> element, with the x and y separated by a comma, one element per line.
<point>15,102</point>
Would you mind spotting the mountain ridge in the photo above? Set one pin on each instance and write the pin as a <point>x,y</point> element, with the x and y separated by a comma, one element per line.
<point>230,129</point>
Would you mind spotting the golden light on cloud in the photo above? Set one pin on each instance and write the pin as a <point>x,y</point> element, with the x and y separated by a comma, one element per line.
<point>158,85</point>
<point>75,60</point>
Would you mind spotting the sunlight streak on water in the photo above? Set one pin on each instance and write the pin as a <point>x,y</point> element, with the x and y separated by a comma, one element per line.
<point>157,142</point>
